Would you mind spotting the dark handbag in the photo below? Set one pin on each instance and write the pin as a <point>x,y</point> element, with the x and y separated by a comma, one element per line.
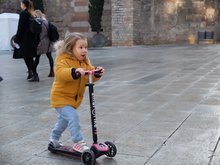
<point>17,54</point>
<point>53,33</point>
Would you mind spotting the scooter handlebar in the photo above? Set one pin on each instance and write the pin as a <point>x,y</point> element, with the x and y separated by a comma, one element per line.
<point>88,72</point>
<point>92,72</point>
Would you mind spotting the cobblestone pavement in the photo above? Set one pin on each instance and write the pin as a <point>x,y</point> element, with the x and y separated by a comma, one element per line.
<point>160,105</point>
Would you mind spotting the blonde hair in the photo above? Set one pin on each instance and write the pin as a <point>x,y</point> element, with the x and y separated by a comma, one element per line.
<point>66,45</point>
<point>39,14</point>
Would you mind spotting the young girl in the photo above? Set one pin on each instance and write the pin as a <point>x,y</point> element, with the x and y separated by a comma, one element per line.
<point>69,86</point>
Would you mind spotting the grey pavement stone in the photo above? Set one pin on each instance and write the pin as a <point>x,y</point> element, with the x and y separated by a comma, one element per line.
<point>160,105</point>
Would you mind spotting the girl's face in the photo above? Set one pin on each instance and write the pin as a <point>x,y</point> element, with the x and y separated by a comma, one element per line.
<point>23,7</point>
<point>80,49</point>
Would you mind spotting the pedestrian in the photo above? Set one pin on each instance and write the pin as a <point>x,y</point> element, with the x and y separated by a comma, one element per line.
<point>1,78</point>
<point>27,40</point>
<point>45,45</point>
<point>69,86</point>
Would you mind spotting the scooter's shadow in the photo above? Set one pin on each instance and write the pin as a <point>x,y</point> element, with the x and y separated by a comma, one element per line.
<point>77,160</point>
<point>105,161</point>
<point>65,157</point>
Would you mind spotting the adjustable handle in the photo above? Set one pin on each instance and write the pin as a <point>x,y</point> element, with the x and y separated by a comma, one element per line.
<point>92,72</point>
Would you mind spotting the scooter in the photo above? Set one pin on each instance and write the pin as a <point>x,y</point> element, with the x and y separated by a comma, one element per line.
<point>97,149</point>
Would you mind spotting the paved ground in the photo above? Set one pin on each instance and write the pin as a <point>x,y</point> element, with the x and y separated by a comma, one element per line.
<point>160,105</point>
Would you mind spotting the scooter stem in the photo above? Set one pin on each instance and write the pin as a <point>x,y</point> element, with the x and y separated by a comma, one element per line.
<point>92,107</point>
<point>90,77</point>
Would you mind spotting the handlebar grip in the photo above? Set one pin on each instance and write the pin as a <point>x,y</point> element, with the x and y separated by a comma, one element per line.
<point>92,72</point>
<point>78,74</point>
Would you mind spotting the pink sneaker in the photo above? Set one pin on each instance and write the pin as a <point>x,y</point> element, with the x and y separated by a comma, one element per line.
<point>80,146</point>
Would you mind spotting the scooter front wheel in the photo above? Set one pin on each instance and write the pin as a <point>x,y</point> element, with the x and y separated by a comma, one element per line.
<point>88,157</point>
<point>112,149</point>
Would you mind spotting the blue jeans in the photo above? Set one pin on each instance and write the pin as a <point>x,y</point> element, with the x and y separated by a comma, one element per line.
<point>68,117</point>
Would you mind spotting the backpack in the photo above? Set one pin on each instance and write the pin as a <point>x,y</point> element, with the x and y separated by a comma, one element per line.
<point>52,32</point>
<point>35,25</point>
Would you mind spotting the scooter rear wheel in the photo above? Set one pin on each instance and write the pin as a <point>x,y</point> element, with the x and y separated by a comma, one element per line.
<point>88,157</point>
<point>112,149</point>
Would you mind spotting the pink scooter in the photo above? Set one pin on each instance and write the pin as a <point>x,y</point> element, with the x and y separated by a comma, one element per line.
<point>97,149</point>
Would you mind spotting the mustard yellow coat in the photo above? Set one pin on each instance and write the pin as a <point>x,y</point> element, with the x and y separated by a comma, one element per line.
<point>65,90</point>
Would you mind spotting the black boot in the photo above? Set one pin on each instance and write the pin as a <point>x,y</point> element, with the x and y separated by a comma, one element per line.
<point>51,74</point>
<point>34,78</point>
<point>30,74</point>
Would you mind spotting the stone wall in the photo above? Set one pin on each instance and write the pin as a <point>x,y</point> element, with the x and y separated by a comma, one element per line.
<point>169,21</point>
<point>10,6</point>
<point>107,22</point>
<point>67,15</point>
<point>134,22</point>
<point>122,22</point>
<point>72,16</point>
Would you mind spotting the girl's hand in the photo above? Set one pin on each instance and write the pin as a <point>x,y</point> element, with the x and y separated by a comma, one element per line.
<point>101,70</point>
<point>81,71</point>
<point>13,44</point>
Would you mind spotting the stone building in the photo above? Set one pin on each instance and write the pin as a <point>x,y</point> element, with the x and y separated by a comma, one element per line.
<point>134,22</point>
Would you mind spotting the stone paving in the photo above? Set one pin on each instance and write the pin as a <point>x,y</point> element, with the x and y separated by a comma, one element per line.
<point>160,105</point>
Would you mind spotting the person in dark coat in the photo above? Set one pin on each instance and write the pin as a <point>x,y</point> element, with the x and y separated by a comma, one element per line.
<point>45,45</point>
<point>27,40</point>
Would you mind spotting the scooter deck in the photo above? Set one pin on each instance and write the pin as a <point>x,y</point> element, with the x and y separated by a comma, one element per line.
<point>64,150</point>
